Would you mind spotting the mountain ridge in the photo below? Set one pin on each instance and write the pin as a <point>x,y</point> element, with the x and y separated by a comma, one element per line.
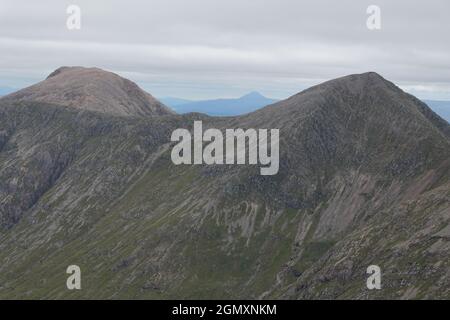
<point>92,89</point>
<point>364,179</point>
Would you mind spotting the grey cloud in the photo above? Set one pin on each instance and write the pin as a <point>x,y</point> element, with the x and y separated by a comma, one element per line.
<point>175,47</point>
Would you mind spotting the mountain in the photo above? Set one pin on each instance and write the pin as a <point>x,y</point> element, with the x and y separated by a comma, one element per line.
<point>5,90</point>
<point>442,108</point>
<point>224,107</point>
<point>174,102</point>
<point>364,180</point>
<point>92,89</point>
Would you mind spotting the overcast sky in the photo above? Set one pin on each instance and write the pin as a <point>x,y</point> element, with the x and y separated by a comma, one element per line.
<point>224,48</point>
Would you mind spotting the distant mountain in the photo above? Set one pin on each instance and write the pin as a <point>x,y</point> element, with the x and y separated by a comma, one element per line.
<point>442,108</point>
<point>224,107</point>
<point>92,89</point>
<point>364,180</point>
<point>6,90</point>
<point>174,102</point>
<point>254,101</point>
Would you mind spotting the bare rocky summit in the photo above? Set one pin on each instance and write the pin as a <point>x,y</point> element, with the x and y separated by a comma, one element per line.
<point>92,89</point>
<point>364,179</point>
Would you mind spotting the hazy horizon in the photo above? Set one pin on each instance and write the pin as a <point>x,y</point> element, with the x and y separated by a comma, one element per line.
<point>4,90</point>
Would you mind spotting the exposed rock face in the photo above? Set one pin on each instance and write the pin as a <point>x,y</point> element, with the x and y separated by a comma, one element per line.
<point>364,179</point>
<point>92,89</point>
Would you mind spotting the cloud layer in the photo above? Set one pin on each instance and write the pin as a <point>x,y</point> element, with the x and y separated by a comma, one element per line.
<point>204,48</point>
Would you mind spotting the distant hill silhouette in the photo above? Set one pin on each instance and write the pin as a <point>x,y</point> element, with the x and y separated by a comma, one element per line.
<point>254,101</point>
<point>6,90</point>
<point>174,102</point>
<point>221,107</point>
<point>442,108</point>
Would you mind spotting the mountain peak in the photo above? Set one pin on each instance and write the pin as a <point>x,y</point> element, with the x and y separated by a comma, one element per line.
<point>65,69</point>
<point>253,95</point>
<point>366,96</point>
<point>360,79</point>
<point>353,84</point>
<point>92,89</point>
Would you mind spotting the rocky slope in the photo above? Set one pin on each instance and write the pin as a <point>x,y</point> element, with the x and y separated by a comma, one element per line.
<point>92,89</point>
<point>364,179</point>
